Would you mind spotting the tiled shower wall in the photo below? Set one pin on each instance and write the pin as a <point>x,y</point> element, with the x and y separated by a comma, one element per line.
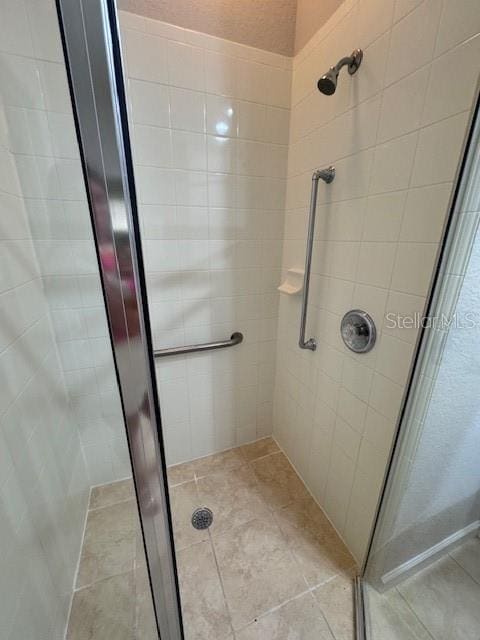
<point>43,479</point>
<point>42,138</point>
<point>394,131</point>
<point>442,439</point>
<point>209,122</point>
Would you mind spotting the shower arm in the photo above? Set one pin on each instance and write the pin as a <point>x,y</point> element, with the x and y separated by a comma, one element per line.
<point>347,61</point>
<point>327,175</point>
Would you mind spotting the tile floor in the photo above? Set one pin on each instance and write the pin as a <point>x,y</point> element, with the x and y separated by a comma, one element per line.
<point>270,567</point>
<point>440,602</point>
<point>112,596</point>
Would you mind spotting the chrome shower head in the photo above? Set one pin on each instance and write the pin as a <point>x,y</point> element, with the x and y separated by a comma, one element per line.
<point>328,82</point>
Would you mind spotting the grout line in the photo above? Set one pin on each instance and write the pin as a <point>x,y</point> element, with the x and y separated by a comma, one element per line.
<point>114,575</point>
<point>354,566</point>
<point>112,504</point>
<point>227,607</point>
<point>415,614</point>
<point>75,579</point>
<point>275,608</point>
<point>462,567</point>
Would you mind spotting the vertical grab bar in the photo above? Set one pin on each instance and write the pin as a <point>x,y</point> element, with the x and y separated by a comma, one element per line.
<point>327,175</point>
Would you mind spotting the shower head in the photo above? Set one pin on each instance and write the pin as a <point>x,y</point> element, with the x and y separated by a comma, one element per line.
<point>328,82</point>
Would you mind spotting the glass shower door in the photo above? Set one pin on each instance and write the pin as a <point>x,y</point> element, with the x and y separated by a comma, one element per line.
<point>78,415</point>
<point>422,575</point>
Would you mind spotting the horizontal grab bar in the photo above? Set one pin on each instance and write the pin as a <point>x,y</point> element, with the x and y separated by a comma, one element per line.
<point>235,338</point>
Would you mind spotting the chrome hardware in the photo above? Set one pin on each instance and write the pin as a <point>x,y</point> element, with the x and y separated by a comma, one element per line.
<point>327,175</point>
<point>358,331</point>
<point>328,82</point>
<point>235,338</point>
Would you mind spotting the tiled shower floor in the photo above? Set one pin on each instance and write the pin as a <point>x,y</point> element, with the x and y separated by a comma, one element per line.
<point>112,596</point>
<point>270,567</point>
<point>439,602</point>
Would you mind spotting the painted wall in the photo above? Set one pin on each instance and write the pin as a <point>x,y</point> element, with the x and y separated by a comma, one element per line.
<point>310,16</point>
<point>269,25</point>
<point>394,132</point>
<point>209,121</point>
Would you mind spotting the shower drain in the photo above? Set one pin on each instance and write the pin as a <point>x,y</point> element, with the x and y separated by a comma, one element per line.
<point>202,518</point>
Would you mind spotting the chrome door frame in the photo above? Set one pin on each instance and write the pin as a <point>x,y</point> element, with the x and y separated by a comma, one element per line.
<point>90,38</point>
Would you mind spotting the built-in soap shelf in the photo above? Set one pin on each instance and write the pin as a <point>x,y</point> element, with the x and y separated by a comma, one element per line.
<point>293,283</point>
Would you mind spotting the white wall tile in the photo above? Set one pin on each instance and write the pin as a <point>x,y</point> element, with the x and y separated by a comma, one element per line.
<point>459,21</point>
<point>146,56</point>
<point>402,105</point>
<point>438,151</point>
<point>424,215</point>
<point>206,259</point>
<point>153,146</point>
<point>189,150</point>
<point>149,103</point>
<point>414,267</point>
<point>442,101</point>
<point>392,165</point>
<point>155,186</point>
<point>415,36</point>
<point>186,65</point>
<point>378,228</point>
<point>221,113</point>
<point>383,217</point>
<point>14,30</point>
<point>187,110</point>
<point>220,73</point>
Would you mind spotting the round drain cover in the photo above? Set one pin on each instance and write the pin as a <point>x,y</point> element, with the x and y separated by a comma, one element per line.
<point>358,331</point>
<point>202,518</point>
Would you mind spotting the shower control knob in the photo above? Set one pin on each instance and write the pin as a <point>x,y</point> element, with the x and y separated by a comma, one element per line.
<point>358,331</point>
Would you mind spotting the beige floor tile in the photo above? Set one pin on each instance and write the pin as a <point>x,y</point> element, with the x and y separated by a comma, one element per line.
<point>109,544</point>
<point>107,494</point>
<point>316,546</point>
<point>335,599</point>
<point>233,496</point>
<point>224,461</point>
<point>259,449</point>
<point>205,615</point>
<point>445,599</point>
<point>179,473</point>
<point>279,484</point>
<point>257,569</point>
<point>390,618</point>
<point>145,625</point>
<point>299,619</point>
<point>103,611</point>
<point>184,500</point>
<point>467,556</point>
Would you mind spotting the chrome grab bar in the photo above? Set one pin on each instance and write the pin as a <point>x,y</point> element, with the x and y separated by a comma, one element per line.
<point>235,338</point>
<point>327,175</point>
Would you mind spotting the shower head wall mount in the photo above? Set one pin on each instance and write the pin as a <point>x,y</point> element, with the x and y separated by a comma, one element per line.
<point>328,82</point>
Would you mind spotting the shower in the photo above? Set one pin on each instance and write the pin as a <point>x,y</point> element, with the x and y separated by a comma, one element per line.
<point>224,289</point>
<point>328,82</point>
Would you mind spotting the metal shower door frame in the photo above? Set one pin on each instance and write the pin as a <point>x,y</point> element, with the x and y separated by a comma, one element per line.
<point>90,38</point>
